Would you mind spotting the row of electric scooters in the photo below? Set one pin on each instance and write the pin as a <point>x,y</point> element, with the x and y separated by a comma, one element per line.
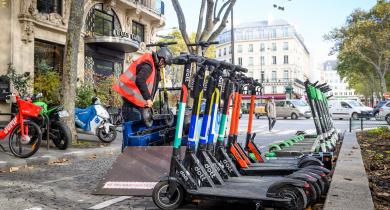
<point>211,169</point>
<point>327,140</point>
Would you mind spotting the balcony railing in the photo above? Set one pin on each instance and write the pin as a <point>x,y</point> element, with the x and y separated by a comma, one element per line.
<point>157,8</point>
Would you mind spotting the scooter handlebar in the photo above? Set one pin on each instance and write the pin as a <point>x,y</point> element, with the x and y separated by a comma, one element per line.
<point>241,69</point>
<point>226,65</point>
<point>203,43</point>
<point>212,62</point>
<point>160,44</point>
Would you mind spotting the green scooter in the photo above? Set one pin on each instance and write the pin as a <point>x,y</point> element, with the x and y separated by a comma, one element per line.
<point>51,125</point>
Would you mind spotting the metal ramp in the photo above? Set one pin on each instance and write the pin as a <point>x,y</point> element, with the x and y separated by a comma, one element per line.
<point>136,171</point>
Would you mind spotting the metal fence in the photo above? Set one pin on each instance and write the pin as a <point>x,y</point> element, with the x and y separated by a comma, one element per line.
<point>365,123</point>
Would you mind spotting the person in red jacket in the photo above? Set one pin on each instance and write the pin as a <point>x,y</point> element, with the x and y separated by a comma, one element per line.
<point>139,83</point>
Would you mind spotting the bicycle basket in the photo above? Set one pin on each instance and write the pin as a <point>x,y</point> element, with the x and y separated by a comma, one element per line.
<point>28,108</point>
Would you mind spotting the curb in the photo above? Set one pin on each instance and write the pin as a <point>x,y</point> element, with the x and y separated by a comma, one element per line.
<point>349,188</point>
<point>15,164</point>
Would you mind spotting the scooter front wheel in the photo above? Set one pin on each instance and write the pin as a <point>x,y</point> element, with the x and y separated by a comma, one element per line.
<point>297,196</point>
<point>106,137</point>
<point>161,199</point>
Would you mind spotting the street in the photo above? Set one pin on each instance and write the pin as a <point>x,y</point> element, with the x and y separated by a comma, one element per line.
<point>68,184</point>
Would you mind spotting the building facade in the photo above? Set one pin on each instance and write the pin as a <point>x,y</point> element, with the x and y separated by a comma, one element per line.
<point>273,52</point>
<point>114,33</point>
<point>339,87</point>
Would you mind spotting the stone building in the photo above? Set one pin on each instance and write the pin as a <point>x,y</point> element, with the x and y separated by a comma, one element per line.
<point>274,53</point>
<point>340,89</point>
<point>113,34</point>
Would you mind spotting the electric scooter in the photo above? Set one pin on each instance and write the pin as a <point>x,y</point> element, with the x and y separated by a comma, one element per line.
<point>149,114</point>
<point>189,177</point>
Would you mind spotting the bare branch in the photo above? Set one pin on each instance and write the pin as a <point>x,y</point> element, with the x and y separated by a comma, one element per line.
<point>216,19</point>
<point>200,23</point>
<point>209,20</point>
<point>215,8</point>
<point>182,22</point>
<point>214,35</point>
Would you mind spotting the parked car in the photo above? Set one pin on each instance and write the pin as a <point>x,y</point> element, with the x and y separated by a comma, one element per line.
<point>345,109</point>
<point>384,112</point>
<point>260,110</point>
<point>377,107</point>
<point>293,108</point>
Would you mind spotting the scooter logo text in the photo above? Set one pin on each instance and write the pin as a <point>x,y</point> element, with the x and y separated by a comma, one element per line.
<point>10,125</point>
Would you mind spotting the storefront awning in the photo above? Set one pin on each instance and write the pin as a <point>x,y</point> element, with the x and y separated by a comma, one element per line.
<point>125,45</point>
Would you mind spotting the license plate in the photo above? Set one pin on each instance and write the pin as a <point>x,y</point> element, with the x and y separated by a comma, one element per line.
<point>63,114</point>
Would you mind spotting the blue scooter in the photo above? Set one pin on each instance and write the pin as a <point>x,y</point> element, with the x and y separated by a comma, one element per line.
<point>95,120</point>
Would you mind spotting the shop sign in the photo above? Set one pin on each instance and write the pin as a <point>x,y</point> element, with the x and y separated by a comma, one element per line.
<point>123,34</point>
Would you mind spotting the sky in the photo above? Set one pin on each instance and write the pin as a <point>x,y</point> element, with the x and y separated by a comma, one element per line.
<point>312,18</point>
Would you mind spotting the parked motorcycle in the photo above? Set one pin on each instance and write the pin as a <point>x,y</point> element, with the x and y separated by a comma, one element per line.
<point>51,125</point>
<point>95,120</point>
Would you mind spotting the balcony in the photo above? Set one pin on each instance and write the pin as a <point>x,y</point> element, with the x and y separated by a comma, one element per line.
<point>157,7</point>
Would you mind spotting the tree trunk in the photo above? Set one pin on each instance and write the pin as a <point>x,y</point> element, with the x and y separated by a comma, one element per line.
<point>383,85</point>
<point>69,76</point>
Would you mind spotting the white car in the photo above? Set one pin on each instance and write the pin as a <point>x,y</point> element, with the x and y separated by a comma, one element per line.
<point>345,109</point>
<point>384,112</point>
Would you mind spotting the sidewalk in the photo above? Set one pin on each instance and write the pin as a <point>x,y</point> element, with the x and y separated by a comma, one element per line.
<point>349,188</point>
<point>8,162</point>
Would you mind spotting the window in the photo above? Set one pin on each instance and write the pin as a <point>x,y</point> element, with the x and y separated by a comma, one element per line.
<point>230,50</point>
<point>273,76</point>
<point>273,33</point>
<point>262,47</point>
<point>49,6</point>
<point>262,60</point>
<point>250,62</point>
<point>240,61</point>
<point>285,45</point>
<point>219,52</point>
<point>103,23</point>
<point>345,105</point>
<point>48,54</point>
<point>285,32</point>
<point>239,49</point>
<point>285,75</point>
<point>262,76</point>
<point>273,59</point>
<point>250,48</point>
<point>224,51</point>
<point>285,59</point>
<point>139,30</point>
<point>274,46</point>
<point>278,103</point>
<point>274,90</point>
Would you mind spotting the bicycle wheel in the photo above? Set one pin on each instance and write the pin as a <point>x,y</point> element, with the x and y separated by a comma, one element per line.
<point>28,145</point>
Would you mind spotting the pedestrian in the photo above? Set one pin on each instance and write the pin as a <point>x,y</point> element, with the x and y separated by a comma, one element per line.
<point>271,113</point>
<point>139,83</point>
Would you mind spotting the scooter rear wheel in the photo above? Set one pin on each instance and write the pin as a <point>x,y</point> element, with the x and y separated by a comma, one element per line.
<point>161,199</point>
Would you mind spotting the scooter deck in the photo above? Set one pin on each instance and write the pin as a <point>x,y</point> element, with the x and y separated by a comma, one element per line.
<point>247,193</point>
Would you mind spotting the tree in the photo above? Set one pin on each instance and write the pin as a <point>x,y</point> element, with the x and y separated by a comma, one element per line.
<point>366,37</point>
<point>69,76</point>
<point>210,24</point>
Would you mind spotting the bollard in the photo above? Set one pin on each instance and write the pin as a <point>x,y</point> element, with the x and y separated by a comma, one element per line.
<point>350,125</point>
